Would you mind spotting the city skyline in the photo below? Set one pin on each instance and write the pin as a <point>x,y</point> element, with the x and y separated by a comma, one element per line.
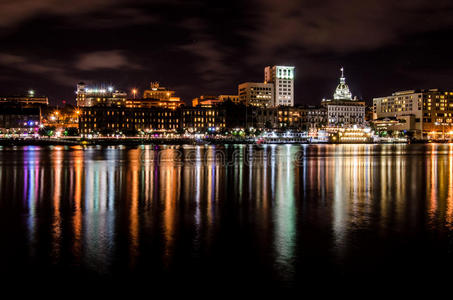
<point>381,44</point>
<point>226,147</point>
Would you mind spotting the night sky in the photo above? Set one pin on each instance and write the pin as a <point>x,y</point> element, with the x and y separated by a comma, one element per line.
<point>209,47</point>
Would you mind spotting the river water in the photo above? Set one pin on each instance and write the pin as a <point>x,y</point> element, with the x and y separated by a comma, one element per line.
<point>273,216</point>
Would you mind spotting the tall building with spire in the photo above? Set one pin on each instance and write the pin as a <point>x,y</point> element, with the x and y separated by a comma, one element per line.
<point>342,92</point>
<point>343,109</point>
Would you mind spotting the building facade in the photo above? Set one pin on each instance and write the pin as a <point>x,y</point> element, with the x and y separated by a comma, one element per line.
<point>206,101</point>
<point>122,120</point>
<point>28,99</point>
<point>256,94</point>
<point>166,98</point>
<point>88,97</point>
<point>132,121</point>
<point>301,118</point>
<point>203,120</point>
<point>282,77</point>
<point>343,109</point>
<point>19,119</point>
<point>427,113</point>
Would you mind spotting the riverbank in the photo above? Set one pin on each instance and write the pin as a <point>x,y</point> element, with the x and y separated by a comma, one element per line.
<point>157,141</point>
<point>120,141</point>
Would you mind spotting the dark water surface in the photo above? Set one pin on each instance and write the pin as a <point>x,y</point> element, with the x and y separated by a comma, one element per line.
<point>227,216</point>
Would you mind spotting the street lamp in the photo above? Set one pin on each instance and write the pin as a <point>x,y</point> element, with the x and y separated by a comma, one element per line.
<point>134,92</point>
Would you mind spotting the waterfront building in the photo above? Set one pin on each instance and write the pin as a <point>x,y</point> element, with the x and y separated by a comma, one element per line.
<point>153,103</point>
<point>165,98</point>
<point>210,101</point>
<point>282,78</point>
<point>206,101</point>
<point>30,98</point>
<point>264,118</point>
<point>390,125</point>
<point>343,109</point>
<point>427,113</point>
<point>256,94</point>
<point>99,96</point>
<point>203,119</point>
<point>128,121</point>
<point>16,118</point>
<point>313,117</point>
<point>289,118</point>
<point>301,118</point>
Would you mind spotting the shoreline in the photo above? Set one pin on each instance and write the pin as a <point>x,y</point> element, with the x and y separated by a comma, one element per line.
<point>163,141</point>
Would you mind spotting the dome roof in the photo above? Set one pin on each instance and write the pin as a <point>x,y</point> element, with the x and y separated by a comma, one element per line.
<point>342,92</point>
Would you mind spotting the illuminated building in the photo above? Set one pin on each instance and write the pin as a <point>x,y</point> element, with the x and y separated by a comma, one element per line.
<point>19,119</point>
<point>88,96</point>
<point>165,97</point>
<point>132,121</point>
<point>343,109</point>
<point>210,101</point>
<point>203,120</point>
<point>302,118</point>
<point>153,103</point>
<point>256,94</point>
<point>30,98</point>
<point>297,118</point>
<point>128,121</point>
<point>282,77</point>
<point>206,101</point>
<point>388,124</point>
<point>426,113</point>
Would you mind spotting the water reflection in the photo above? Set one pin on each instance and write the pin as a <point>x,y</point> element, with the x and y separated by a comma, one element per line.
<point>278,208</point>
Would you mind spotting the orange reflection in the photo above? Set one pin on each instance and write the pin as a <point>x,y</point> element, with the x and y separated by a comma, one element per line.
<point>169,186</point>
<point>449,213</point>
<point>56,224</point>
<point>77,217</point>
<point>133,185</point>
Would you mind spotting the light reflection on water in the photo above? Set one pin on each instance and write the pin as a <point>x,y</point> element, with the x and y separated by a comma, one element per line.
<point>275,212</point>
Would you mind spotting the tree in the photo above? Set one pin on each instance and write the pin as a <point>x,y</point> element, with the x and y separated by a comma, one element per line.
<point>47,131</point>
<point>72,131</point>
<point>268,125</point>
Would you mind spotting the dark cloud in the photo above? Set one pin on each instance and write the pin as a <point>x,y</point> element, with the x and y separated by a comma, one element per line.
<point>112,59</point>
<point>340,26</point>
<point>52,70</point>
<point>13,12</point>
<point>213,66</point>
<point>211,46</point>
